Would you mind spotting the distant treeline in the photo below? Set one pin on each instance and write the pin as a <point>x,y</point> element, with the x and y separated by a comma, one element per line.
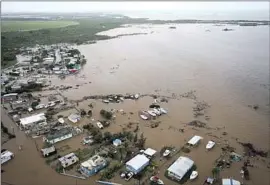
<point>85,31</point>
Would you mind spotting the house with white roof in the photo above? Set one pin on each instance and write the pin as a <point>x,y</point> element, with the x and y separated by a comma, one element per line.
<point>149,152</point>
<point>38,119</point>
<point>179,168</point>
<point>68,160</point>
<point>93,165</point>
<point>137,163</point>
<point>194,140</point>
<point>230,182</point>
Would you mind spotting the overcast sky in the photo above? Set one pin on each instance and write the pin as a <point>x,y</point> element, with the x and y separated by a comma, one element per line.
<point>9,7</point>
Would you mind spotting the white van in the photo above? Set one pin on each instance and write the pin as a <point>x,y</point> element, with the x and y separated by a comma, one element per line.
<point>100,125</point>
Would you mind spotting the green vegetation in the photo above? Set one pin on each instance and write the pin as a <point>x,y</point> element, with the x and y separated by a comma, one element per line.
<point>9,26</point>
<point>108,173</point>
<point>106,114</point>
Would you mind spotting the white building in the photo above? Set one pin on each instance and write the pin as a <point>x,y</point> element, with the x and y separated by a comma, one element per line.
<point>195,140</point>
<point>137,163</point>
<point>93,165</point>
<point>68,160</point>
<point>58,135</point>
<point>230,182</point>
<point>179,168</point>
<point>48,151</point>
<point>149,152</point>
<point>74,118</point>
<point>38,119</point>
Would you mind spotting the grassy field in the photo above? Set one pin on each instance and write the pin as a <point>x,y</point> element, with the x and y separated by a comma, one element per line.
<point>8,26</point>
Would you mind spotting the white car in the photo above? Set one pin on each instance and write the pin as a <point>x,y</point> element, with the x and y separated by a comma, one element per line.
<point>129,175</point>
<point>51,104</point>
<point>100,125</point>
<point>40,106</point>
<point>6,156</point>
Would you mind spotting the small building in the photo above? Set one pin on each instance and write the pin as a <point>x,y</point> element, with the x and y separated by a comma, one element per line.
<point>9,97</point>
<point>48,151</point>
<point>230,182</point>
<point>179,168</point>
<point>93,165</point>
<point>58,135</point>
<point>195,140</point>
<point>149,152</point>
<point>16,87</point>
<point>19,104</point>
<point>38,119</point>
<point>137,163</point>
<point>74,118</point>
<point>117,142</point>
<point>68,160</point>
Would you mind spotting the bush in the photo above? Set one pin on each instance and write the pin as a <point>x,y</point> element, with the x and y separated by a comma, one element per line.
<point>86,127</point>
<point>106,114</point>
<point>185,150</point>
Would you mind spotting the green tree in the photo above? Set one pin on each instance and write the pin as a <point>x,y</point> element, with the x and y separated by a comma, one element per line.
<point>107,136</point>
<point>135,138</point>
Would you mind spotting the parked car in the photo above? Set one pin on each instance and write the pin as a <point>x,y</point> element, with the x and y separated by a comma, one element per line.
<point>100,125</point>
<point>88,140</point>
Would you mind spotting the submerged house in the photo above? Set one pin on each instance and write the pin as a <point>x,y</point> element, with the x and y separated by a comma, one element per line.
<point>194,140</point>
<point>58,135</point>
<point>74,118</point>
<point>9,97</point>
<point>137,163</point>
<point>179,168</point>
<point>19,105</point>
<point>38,119</point>
<point>68,160</point>
<point>93,165</point>
<point>48,151</point>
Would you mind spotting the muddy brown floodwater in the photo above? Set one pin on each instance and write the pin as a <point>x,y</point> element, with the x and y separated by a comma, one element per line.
<point>228,70</point>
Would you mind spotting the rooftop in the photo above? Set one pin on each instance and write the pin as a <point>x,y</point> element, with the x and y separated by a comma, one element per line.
<point>138,161</point>
<point>150,152</point>
<point>94,161</point>
<point>181,166</point>
<point>58,133</point>
<point>68,157</point>
<point>33,118</point>
<point>194,140</point>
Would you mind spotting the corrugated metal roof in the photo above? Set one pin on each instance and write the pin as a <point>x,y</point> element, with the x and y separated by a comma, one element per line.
<point>138,161</point>
<point>181,166</point>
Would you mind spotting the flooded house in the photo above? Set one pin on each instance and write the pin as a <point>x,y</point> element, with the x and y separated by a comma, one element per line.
<point>48,151</point>
<point>93,165</point>
<point>9,97</point>
<point>137,163</point>
<point>149,152</point>
<point>16,87</point>
<point>22,104</point>
<point>194,140</point>
<point>179,168</point>
<point>58,135</point>
<point>34,120</point>
<point>74,118</point>
<point>68,160</point>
